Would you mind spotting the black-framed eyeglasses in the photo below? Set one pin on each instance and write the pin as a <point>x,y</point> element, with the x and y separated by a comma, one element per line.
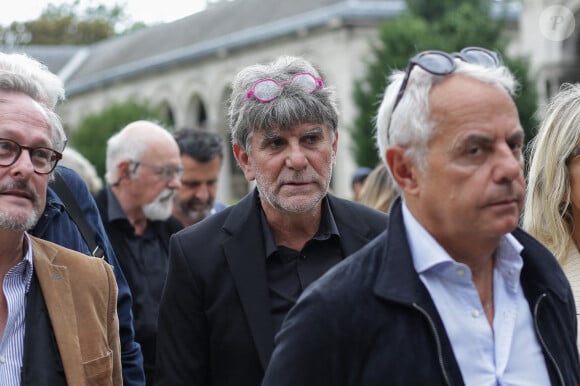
<point>167,173</point>
<point>442,63</point>
<point>44,159</point>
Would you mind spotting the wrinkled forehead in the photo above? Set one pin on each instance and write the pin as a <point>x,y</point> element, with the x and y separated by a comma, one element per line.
<point>461,107</point>
<point>297,129</point>
<point>460,94</point>
<point>20,115</point>
<point>162,150</point>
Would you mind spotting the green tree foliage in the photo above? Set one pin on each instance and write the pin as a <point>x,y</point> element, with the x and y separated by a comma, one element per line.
<point>446,25</point>
<point>68,24</point>
<point>90,137</point>
<point>435,10</point>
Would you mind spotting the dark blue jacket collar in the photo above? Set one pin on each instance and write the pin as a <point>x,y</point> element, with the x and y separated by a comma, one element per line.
<point>398,281</point>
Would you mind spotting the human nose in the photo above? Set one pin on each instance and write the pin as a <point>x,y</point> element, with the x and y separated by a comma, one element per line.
<point>509,165</point>
<point>23,163</point>
<point>296,158</point>
<point>202,192</point>
<point>174,182</point>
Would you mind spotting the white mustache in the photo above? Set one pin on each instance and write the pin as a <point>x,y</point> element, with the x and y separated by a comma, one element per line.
<point>166,194</point>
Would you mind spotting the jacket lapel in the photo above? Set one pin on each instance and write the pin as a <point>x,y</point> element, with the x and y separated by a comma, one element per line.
<point>249,272</point>
<point>397,279</point>
<point>55,286</point>
<point>354,231</point>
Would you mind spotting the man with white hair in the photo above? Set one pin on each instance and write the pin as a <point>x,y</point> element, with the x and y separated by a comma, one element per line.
<point>143,173</point>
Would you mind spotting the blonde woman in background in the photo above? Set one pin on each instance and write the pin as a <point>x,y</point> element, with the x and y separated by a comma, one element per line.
<point>378,190</point>
<point>552,206</point>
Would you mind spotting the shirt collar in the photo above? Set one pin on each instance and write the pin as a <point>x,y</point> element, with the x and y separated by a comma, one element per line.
<point>427,253</point>
<point>114,210</point>
<point>326,229</point>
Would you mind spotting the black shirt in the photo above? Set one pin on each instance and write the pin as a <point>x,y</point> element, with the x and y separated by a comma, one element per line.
<point>145,269</point>
<point>289,272</point>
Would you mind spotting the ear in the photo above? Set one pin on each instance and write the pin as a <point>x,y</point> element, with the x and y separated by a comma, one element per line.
<point>243,159</point>
<point>335,143</point>
<point>123,170</point>
<point>334,138</point>
<point>403,169</point>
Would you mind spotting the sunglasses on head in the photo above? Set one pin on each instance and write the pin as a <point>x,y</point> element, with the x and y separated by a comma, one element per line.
<point>442,63</point>
<point>266,90</point>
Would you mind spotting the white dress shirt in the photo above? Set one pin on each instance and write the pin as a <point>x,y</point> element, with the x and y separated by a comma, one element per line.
<point>510,354</point>
<point>15,286</point>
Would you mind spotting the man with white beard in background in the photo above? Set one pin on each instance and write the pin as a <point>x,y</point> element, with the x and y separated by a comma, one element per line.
<point>143,173</point>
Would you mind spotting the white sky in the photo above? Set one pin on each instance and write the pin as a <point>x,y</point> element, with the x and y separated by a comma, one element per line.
<point>148,11</point>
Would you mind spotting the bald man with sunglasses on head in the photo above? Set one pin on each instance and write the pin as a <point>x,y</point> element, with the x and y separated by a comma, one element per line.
<point>143,172</point>
<point>454,293</point>
<point>233,276</point>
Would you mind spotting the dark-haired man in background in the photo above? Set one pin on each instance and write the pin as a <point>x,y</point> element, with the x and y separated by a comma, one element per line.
<point>201,156</point>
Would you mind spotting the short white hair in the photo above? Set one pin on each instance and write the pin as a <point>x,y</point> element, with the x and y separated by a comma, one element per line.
<point>20,72</point>
<point>410,125</point>
<point>51,85</point>
<point>131,143</point>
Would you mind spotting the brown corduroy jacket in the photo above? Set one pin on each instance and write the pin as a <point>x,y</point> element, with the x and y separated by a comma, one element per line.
<point>80,293</point>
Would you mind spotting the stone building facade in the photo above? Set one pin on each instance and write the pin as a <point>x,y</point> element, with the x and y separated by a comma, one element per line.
<point>186,66</point>
<point>549,35</point>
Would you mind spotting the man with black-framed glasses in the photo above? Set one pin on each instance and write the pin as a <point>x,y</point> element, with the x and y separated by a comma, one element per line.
<point>454,293</point>
<point>143,172</point>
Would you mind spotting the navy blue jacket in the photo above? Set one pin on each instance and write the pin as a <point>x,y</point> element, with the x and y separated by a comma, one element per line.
<point>56,225</point>
<point>371,321</point>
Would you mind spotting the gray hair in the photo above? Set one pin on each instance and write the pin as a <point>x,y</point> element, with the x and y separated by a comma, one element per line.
<point>293,107</point>
<point>131,143</point>
<point>16,82</point>
<point>411,126</point>
<point>547,211</point>
<point>51,86</point>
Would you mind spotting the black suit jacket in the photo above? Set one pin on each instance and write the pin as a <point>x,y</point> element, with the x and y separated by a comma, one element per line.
<point>215,325</point>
